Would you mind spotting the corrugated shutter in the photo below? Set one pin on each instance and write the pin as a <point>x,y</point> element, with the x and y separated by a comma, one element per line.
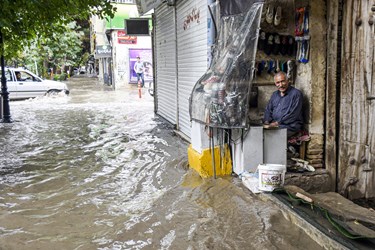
<point>165,60</point>
<point>192,54</point>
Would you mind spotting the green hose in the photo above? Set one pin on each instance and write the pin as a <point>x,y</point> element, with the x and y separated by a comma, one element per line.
<point>338,227</point>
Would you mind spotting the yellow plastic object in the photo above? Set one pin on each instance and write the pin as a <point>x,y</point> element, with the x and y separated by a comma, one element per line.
<point>202,163</point>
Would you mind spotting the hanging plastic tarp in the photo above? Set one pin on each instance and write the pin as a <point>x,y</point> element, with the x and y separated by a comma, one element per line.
<point>234,7</point>
<point>220,98</point>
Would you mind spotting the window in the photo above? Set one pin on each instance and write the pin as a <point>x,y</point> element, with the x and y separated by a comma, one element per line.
<point>8,76</point>
<point>23,76</point>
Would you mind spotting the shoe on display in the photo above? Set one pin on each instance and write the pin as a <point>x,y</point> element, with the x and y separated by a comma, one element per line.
<point>269,14</point>
<point>277,66</point>
<point>283,45</point>
<point>264,13</point>
<point>300,14</point>
<point>276,44</point>
<point>262,40</point>
<point>305,51</point>
<point>291,45</point>
<point>299,52</point>
<point>306,23</point>
<point>277,16</point>
<point>269,45</point>
<point>284,67</point>
<point>260,67</point>
<point>271,67</point>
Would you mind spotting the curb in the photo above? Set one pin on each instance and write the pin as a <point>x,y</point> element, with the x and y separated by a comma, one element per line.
<point>319,237</point>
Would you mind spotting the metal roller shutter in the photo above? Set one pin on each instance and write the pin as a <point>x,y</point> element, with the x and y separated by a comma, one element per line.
<point>192,54</point>
<point>165,60</point>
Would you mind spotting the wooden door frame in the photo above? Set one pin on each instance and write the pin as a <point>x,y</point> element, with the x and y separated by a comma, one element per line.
<point>334,21</point>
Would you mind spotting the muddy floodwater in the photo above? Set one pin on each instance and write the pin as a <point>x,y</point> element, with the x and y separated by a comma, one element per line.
<point>98,170</point>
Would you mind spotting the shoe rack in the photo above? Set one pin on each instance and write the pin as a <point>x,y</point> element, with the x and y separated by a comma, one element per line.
<point>277,45</point>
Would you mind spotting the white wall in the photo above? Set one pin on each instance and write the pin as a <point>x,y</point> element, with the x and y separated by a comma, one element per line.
<point>121,58</point>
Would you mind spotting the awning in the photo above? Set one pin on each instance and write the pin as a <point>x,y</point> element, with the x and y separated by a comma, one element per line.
<point>146,5</point>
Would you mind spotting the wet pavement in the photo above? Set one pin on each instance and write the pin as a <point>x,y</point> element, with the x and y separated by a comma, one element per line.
<point>98,170</point>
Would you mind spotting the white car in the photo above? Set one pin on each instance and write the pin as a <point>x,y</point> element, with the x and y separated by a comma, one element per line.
<point>23,84</point>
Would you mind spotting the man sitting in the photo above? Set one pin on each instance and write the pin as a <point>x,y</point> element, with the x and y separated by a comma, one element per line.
<point>284,109</point>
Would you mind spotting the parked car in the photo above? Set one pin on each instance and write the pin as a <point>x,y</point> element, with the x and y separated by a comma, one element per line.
<point>23,84</point>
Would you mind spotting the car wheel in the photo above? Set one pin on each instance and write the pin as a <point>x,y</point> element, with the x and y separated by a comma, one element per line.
<point>53,92</point>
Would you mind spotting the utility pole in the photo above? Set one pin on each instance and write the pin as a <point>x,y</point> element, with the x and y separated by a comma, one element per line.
<point>4,88</point>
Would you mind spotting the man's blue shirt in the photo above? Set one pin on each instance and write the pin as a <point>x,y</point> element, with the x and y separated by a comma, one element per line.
<point>286,110</point>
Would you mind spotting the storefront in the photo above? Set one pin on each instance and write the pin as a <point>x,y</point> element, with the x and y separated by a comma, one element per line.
<point>326,47</point>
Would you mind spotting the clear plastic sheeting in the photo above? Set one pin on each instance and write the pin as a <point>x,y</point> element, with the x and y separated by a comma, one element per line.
<point>221,96</point>
<point>233,7</point>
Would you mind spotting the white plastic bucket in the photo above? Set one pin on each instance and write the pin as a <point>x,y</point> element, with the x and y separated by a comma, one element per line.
<point>271,176</point>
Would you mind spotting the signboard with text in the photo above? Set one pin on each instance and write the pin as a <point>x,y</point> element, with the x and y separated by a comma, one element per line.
<point>122,38</point>
<point>103,51</point>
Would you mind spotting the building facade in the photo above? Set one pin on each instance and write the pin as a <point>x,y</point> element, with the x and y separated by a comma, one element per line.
<point>115,50</point>
<point>333,57</point>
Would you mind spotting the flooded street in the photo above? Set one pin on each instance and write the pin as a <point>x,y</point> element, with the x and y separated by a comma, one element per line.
<point>98,170</point>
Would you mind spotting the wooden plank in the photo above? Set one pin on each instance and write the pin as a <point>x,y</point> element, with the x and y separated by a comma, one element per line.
<point>344,116</point>
<point>331,93</point>
<point>370,78</point>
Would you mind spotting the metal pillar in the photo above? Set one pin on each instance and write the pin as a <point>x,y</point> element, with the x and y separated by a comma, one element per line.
<point>4,89</point>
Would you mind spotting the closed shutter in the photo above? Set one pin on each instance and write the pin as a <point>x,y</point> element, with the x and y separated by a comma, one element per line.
<point>192,54</point>
<point>165,60</point>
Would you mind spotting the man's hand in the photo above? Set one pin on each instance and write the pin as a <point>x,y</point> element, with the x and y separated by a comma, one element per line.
<point>270,125</point>
<point>274,124</point>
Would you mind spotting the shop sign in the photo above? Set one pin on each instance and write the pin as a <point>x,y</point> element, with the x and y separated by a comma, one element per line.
<point>122,38</point>
<point>127,40</point>
<point>103,51</point>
